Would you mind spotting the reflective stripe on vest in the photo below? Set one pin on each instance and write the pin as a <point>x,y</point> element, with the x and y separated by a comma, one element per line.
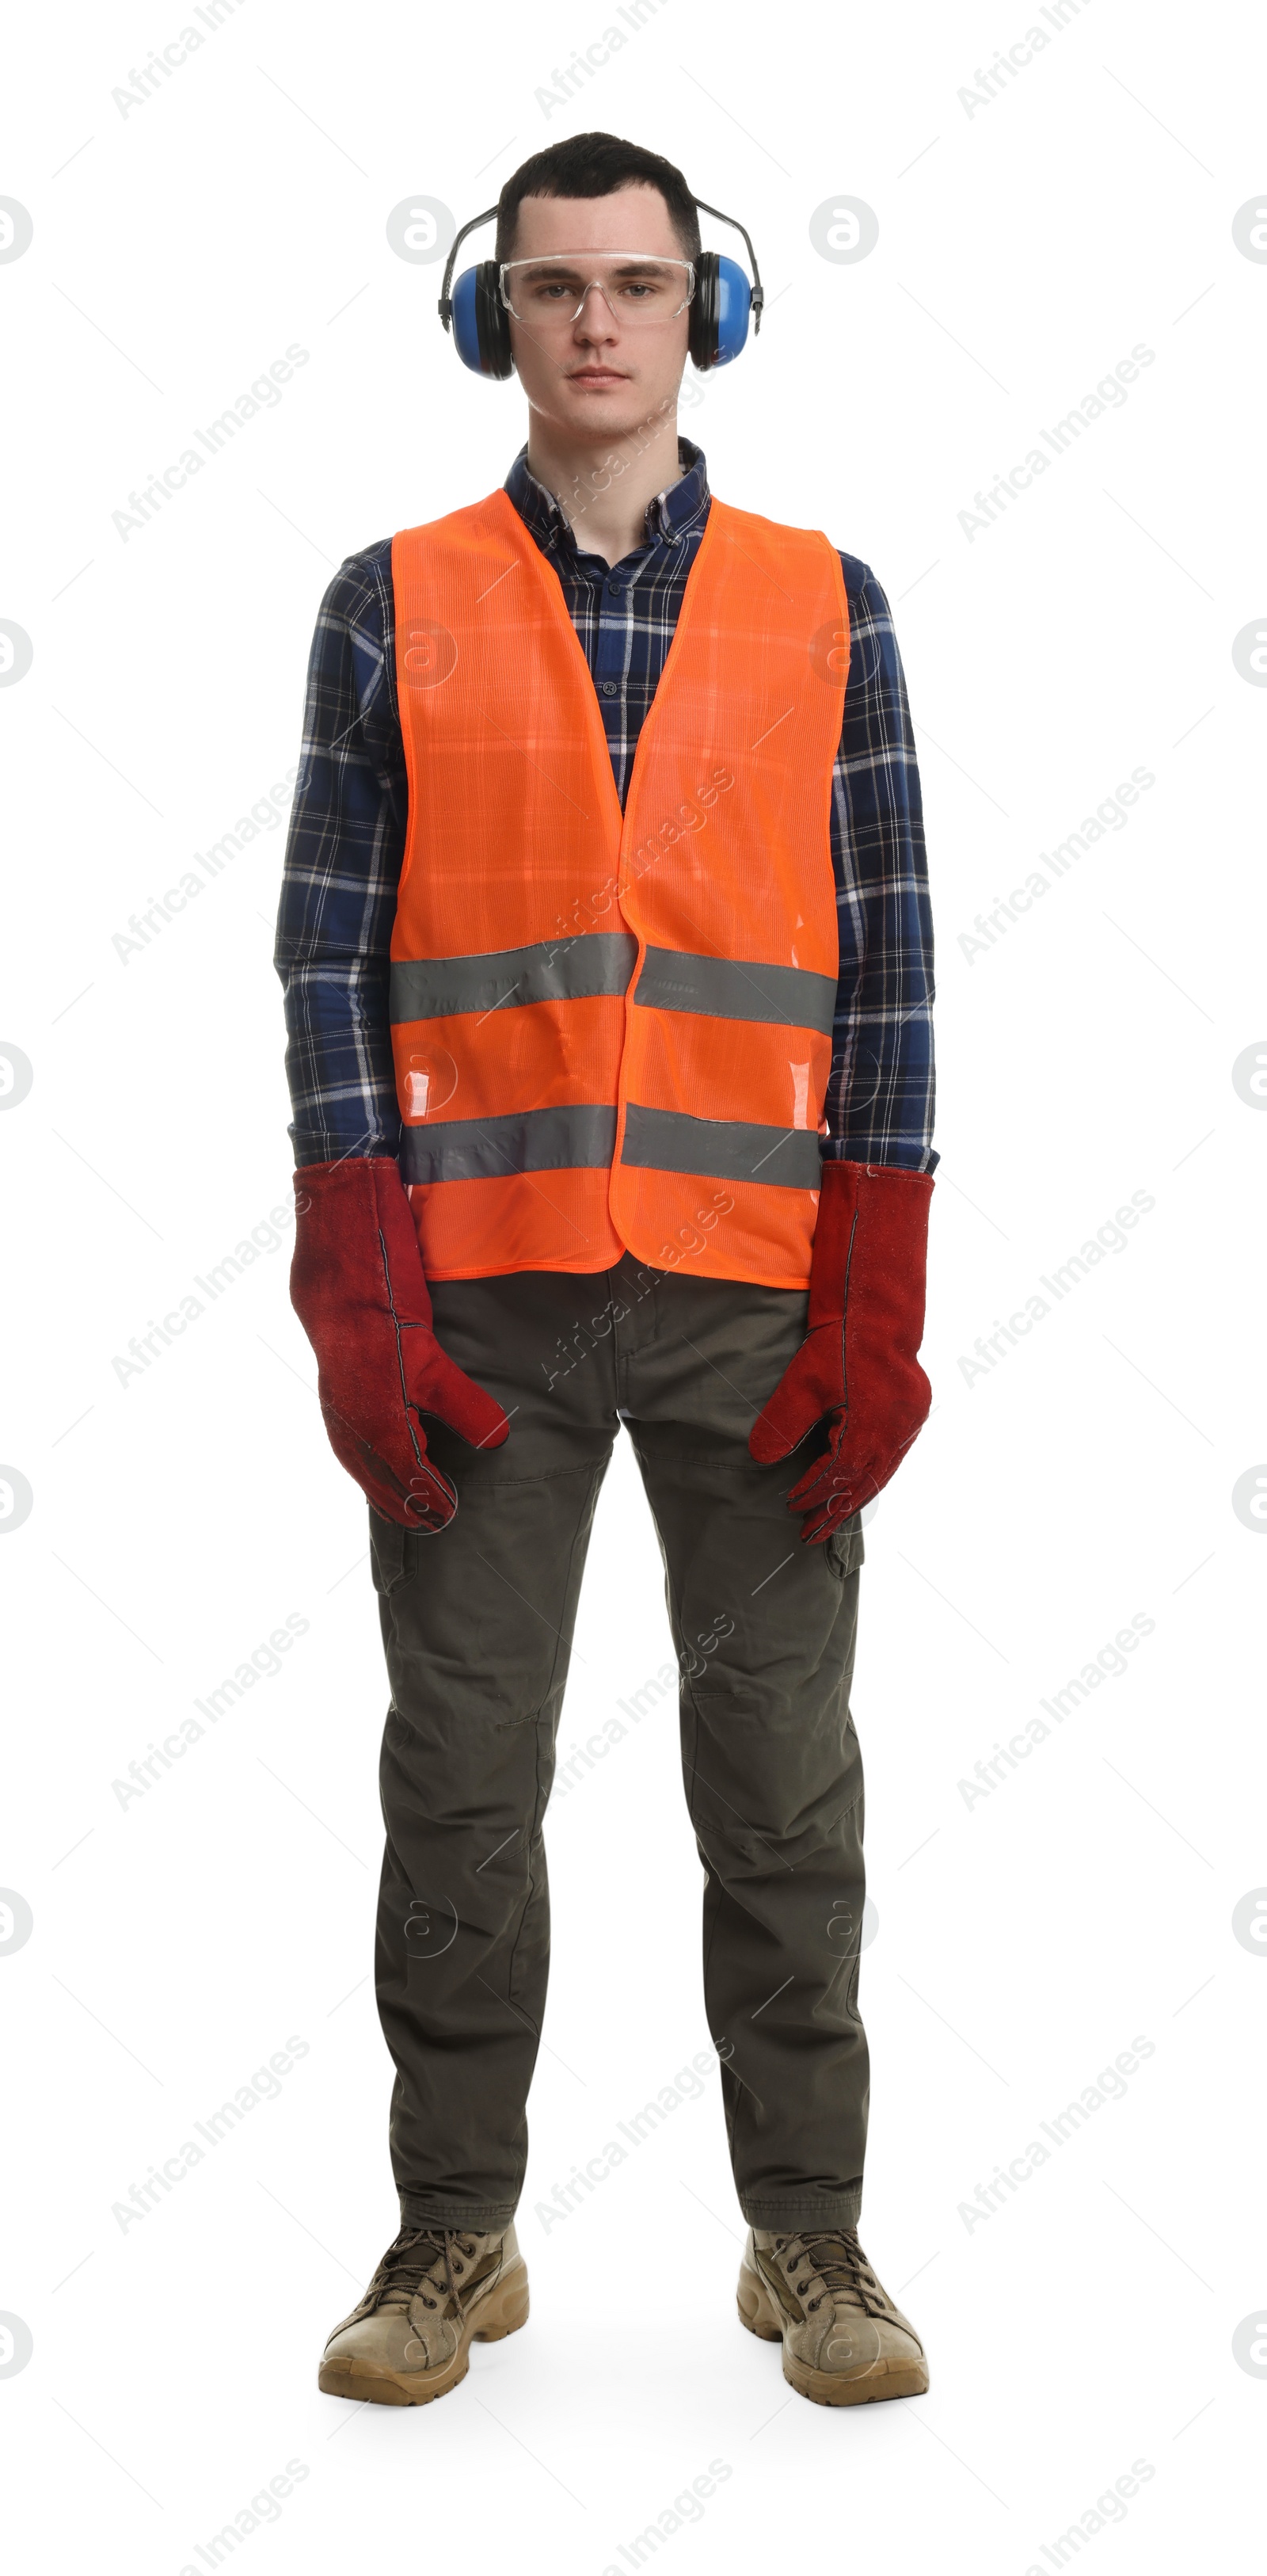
<point>614,1032</point>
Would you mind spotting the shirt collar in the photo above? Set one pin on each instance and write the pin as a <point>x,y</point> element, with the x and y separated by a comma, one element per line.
<point>681,507</point>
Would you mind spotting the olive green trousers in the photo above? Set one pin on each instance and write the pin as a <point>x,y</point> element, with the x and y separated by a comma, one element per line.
<point>477,1624</point>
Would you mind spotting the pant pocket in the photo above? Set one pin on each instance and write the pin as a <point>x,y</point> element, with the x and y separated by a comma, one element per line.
<point>391,1557</point>
<point>844,1548</point>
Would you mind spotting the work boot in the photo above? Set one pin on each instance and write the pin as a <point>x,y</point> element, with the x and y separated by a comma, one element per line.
<point>844,2342</point>
<point>435,2292</point>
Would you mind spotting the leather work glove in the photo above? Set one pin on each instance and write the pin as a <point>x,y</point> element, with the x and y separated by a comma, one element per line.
<point>358,1287</point>
<point>857,1367</point>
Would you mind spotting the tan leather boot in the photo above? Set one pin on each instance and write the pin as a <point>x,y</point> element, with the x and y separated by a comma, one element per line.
<point>843,2340</point>
<point>435,2293</point>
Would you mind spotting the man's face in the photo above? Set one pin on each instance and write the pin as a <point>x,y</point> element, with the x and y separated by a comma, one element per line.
<point>599,373</point>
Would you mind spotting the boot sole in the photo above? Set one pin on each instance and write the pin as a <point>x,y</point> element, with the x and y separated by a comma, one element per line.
<point>502,2313</point>
<point>825,2387</point>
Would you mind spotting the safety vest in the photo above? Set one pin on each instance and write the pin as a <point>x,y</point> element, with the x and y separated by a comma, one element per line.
<point>613,1031</point>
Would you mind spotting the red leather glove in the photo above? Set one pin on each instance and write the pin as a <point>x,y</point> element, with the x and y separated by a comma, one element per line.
<point>856,1367</point>
<point>358,1287</point>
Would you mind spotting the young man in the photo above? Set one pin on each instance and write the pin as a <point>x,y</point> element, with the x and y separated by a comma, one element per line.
<point>606,950</point>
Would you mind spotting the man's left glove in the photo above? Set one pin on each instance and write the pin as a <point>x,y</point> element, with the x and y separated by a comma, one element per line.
<point>358,1287</point>
<point>857,1367</point>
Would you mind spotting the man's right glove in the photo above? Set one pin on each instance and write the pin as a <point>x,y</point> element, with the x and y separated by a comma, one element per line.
<point>358,1287</point>
<point>856,1369</point>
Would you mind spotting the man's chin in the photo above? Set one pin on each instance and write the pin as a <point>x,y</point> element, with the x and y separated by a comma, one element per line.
<point>611,411</point>
<point>616,395</point>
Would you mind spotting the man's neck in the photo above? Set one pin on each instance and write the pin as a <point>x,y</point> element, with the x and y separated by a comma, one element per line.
<point>603,492</point>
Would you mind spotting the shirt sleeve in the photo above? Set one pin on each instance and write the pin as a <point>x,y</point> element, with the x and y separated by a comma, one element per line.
<point>881,1090</point>
<point>342,868</point>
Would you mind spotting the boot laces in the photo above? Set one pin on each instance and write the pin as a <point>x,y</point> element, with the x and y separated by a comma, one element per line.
<point>832,2262</point>
<point>428,2262</point>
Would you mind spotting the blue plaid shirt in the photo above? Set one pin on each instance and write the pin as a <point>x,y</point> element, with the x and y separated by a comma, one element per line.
<point>347,833</point>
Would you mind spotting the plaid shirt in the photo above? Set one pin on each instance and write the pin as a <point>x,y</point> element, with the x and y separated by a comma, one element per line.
<point>347,833</point>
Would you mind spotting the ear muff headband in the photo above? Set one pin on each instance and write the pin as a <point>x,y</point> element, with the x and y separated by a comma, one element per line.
<point>720,309</point>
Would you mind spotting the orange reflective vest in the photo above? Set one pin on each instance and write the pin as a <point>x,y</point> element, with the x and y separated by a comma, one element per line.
<point>613,1031</point>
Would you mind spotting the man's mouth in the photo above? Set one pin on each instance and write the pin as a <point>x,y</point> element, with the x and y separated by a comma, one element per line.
<point>597,376</point>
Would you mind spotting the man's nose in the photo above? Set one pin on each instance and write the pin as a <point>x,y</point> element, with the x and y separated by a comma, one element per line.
<point>595,320</point>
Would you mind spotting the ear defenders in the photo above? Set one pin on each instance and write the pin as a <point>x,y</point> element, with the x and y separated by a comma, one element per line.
<point>719,310</point>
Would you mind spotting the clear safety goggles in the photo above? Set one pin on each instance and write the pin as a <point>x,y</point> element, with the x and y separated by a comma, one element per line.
<point>548,293</point>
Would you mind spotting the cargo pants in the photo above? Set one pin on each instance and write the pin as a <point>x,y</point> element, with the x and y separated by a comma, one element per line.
<point>477,1625</point>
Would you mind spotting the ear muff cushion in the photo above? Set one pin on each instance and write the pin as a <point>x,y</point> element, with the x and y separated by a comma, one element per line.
<point>480,329</point>
<point>702,334</point>
<point>719,313</point>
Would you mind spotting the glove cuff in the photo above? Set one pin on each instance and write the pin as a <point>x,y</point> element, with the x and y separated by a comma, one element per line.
<point>354,1235</point>
<point>876,1209</point>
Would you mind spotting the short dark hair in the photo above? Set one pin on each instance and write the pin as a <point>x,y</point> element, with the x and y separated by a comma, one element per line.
<point>595,165</point>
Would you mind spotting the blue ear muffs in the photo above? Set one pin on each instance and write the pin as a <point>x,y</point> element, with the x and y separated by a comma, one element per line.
<point>481,327</point>
<point>720,310</point>
<point>734,305</point>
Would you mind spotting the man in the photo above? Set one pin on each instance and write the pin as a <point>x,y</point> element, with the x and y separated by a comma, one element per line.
<point>609,834</point>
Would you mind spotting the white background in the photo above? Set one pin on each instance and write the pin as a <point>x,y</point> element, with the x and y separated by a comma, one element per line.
<point>1024,1940</point>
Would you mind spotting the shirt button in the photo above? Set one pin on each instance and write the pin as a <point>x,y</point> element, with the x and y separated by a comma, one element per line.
<point>610,689</point>
<point>616,589</point>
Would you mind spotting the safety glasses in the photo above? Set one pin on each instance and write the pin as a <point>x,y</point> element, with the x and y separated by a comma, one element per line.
<point>551,293</point>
